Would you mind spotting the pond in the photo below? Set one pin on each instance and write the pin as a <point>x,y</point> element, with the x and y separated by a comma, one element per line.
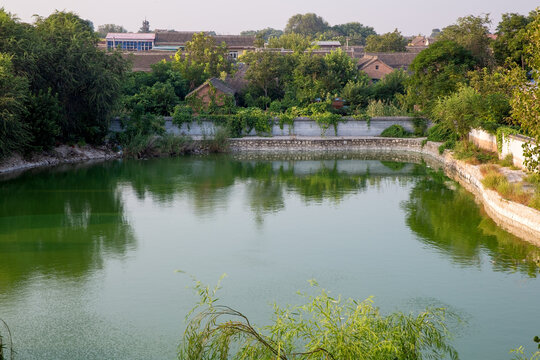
<point>89,253</point>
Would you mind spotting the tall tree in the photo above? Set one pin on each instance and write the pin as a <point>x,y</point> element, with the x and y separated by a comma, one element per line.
<point>471,32</point>
<point>202,59</point>
<point>308,24</point>
<point>293,41</point>
<point>103,30</point>
<point>86,80</point>
<point>389,42</point>
<point>267,72</point>
<point>13,93</point>
<point>437,71</point>
<point>526,92</point>
<point>354,32</point>
<point>511,39</point>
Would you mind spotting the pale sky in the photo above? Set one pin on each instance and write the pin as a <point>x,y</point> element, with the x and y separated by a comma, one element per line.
<point>411,17</point>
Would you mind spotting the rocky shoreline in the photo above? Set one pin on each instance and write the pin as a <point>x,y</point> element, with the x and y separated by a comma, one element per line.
<point>63,154</point>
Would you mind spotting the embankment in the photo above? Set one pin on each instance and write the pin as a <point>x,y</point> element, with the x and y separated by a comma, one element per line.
<point>517,219</point>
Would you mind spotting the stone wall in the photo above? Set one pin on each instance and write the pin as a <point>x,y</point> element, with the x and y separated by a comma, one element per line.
<point>301,127</point>
<point>299,144</point>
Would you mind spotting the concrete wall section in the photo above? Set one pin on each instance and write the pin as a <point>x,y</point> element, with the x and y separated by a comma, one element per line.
<point>483,140</point>
<point>513,145</point>
<point>302,127</point>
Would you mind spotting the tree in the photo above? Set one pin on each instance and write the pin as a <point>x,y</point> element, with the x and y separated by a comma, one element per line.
<point>308,24</point>
<point>435,33</point>
<point>389,42</point>
<point>526,92</point>
<point>202,59</point>
<point>266,72</point>
<point>265,33</point>
<point>14,133</point>
<point>354,33</point>
<point>341,69</point>
<point>459,111</point>
<point>471,32</point>
<point>145,28</point>
<point>293,41</point>
<point>437,71</point>
<point>86,80</point>
<point>511,39</point>
<point>103,30</point>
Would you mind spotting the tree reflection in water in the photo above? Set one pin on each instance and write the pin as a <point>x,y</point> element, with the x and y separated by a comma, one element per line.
<point>445,216</point>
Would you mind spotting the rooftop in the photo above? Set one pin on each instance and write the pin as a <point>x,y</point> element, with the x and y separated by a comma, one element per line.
<point>131,36</point>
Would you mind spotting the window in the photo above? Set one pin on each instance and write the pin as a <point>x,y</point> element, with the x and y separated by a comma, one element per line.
<point>376,67</point>
<point>233,55</point>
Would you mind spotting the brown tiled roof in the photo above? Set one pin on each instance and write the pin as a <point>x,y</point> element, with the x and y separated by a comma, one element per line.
<point>218,84</point>
<point>238,80</point>
<point>173,37</point>
<point>236,40</point>
<point>182,37</point>
<point>142,61</point>
<point>400,60</point>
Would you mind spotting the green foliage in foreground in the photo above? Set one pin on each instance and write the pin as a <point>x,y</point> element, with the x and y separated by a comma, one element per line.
<point>323,328</point>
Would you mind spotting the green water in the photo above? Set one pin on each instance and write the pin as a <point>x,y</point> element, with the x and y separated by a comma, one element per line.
<point>88,253</point>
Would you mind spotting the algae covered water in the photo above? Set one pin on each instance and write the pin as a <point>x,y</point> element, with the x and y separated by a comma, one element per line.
<point>89,253</point>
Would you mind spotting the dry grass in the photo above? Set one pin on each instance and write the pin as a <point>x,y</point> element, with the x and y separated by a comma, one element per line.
<point>495,180</point>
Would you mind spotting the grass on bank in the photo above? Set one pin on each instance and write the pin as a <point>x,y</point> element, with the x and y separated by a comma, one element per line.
<point>148,146</point>
<point>495,180</point>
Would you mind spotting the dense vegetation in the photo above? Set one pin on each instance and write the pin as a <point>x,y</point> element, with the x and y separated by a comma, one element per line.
<point>56,87</point>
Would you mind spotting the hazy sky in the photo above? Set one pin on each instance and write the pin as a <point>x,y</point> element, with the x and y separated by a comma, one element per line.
<point>232,16</point>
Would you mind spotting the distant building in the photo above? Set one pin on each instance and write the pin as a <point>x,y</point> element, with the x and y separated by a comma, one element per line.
<point>164,44</point>
<point>327,45</point>
<point>130,41</point>
<point>214,90</point>
<point>421,41</point>
<point>378,65</point>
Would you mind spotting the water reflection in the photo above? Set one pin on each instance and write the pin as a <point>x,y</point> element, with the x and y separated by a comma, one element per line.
<point>60,223</point>
<point>445,217</point>
<point>66,222</point>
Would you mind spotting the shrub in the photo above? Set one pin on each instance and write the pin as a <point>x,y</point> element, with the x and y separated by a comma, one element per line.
<point>379,108</point>
<point>323,328</point>
<point>395,131</point>
<point>219,142</point>
<point>467,151</point>
<point>183,114</point>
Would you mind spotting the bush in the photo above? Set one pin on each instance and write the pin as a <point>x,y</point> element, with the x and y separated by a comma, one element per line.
<point>219,141</point>
<point>395,131</point>
<point>467,151</point>
<point>379,108</point>
<point>44,119</point>
<point>325,327</point>
<point>183,114</point>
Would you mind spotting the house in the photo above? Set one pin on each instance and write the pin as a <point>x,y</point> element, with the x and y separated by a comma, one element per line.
<point>421,41</point>
<point>374,67</point>
<point>211,91</point>
<point>378,65</point>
